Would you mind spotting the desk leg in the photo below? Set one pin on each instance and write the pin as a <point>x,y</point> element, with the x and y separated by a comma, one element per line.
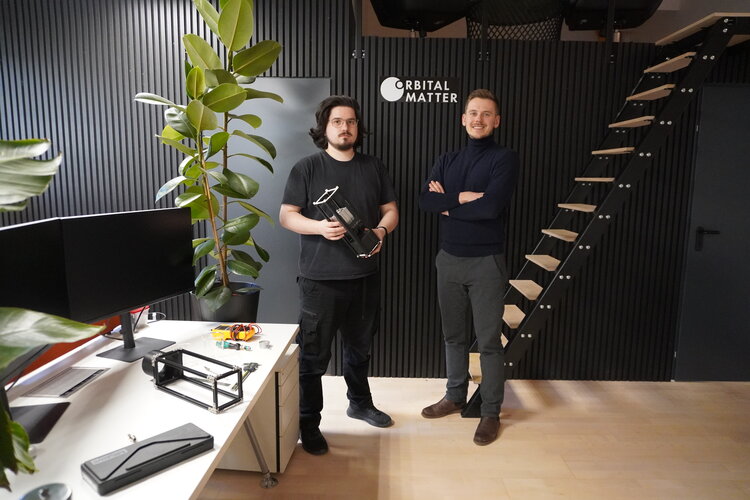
<point>268,480</point>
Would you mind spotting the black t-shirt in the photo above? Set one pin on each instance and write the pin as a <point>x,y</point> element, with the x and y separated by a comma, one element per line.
<point>365,184</point>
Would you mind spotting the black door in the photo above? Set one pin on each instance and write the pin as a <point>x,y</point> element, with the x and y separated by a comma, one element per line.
<point>714,332</point>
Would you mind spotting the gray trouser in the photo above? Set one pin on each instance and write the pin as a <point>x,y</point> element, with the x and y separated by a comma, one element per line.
<point>470,291</point>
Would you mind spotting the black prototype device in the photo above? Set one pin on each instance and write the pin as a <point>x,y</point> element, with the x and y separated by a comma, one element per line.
<point>335,207</point>
<point>121,467</point>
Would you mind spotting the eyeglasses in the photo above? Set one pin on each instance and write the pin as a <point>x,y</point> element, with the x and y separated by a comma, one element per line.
<point>338,122</point>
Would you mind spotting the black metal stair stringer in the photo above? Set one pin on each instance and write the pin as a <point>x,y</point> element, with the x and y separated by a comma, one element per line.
<point>713,41</point>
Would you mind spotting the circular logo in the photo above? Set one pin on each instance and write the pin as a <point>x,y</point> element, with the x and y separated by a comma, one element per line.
<point>392,89</point>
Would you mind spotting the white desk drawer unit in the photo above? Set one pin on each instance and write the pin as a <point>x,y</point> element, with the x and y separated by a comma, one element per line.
<point>277,436</point>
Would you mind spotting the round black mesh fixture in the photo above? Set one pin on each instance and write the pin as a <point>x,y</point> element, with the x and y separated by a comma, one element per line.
<point>516,19</point>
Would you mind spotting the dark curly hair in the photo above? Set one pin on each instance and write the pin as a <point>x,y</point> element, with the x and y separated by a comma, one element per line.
<point>318,133</point>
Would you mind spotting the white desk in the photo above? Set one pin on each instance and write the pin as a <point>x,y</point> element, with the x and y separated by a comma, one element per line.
<point>124,401</point>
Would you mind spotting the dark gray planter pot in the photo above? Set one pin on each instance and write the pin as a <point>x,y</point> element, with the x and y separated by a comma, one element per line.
<point>241,308</point>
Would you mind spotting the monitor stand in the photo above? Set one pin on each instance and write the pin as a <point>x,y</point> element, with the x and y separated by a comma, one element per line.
<point>38,420</point>
<point>132,350</point>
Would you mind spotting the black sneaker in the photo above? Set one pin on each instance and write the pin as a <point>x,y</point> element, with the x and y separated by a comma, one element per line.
<point>313,441</point>
<point>371,415</point>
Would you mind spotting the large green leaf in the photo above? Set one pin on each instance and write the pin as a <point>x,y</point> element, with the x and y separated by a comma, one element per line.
<point>255,60</point>
<point>236,24</point>
<point>178,120</point>
<point>24,148</point>
<point>261,251</point>
<point>157,100</point>
<point>201,54</point>
<point>21,444</point>
<point>246,258</point>
<point>259,141</point>
<point>259,94</point>
<point>203,249</point>
<point>242,268</point>
<point>205,280</point>
<point>216,142</point>
<point>177,145</point>
<point>231,238</point>
<point>23,178</point>
<point>14,449</point>
<point>28,166</point>
<point>195,83</point>
<point>194,198</point>
<point>215,77</point>
<point>220,178</point>
<point>21,328</point>
<point>209,14</point>
<point>256,158</point>
<point>171,133</point>
<point>225,97</point>
<point>257,211</point>
<point>200,116</point>
<point>187,198</point>
<point>227,191</point>
<point>252,120</point>
<point>241,224</point>
<point>189,167</point>
<point>242,183</point>
<point>12,207</point>
<point>193,171</point>
<point>217,297</point>
<point>170,186</point>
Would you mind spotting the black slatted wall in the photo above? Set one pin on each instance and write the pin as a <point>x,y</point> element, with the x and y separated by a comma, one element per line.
<point>69,71</point>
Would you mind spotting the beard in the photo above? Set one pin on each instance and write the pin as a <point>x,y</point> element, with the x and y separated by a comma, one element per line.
<point>342,147</point>
<point>342,143</point>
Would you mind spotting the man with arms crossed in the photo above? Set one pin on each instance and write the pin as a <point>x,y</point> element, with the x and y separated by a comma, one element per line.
<point>338,291</point>
<point>471,189</point>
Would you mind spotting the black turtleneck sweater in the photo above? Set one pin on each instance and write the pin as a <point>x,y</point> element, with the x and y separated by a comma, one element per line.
<point>476,228</point>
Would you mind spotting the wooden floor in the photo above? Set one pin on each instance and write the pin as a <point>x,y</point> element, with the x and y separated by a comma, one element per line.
<point>559,439</point>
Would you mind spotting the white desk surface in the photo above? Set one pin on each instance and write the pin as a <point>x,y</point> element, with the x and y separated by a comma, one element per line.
<point>123,401</point>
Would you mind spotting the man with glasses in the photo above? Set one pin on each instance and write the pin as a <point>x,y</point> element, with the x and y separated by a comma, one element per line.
<point>338,290</point>
<point>471,190</point>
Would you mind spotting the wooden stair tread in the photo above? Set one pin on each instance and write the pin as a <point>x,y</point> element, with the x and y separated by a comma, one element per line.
<point>707,21</point>
<point>528,288</point>
<point>614,151</point>
<point>674,64</point>
<point>652,94</point>
<point>562,234</point>
<point>641,121</point>
<point>594,179</point>
<point>546,262</point>
<point>579,207</point>
<point>513,315</point>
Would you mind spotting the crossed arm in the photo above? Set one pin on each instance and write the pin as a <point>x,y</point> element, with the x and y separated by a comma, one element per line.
<point>463,196</point>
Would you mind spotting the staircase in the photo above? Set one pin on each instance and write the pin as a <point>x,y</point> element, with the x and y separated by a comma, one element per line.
<point>640,128</point>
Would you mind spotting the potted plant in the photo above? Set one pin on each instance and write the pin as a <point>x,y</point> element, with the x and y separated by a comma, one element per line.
<point>22,177</point>
<point>215,86</point>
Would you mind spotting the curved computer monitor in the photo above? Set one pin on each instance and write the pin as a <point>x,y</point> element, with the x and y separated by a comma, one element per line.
<point>117,262</point>
<point>93,267</point>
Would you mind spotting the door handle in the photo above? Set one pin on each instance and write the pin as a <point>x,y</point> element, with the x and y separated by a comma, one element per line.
<point>700,231</point>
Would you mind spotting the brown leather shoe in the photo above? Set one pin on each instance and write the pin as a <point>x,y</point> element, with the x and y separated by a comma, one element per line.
<point>442,408</point>
<point>487,430</point>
